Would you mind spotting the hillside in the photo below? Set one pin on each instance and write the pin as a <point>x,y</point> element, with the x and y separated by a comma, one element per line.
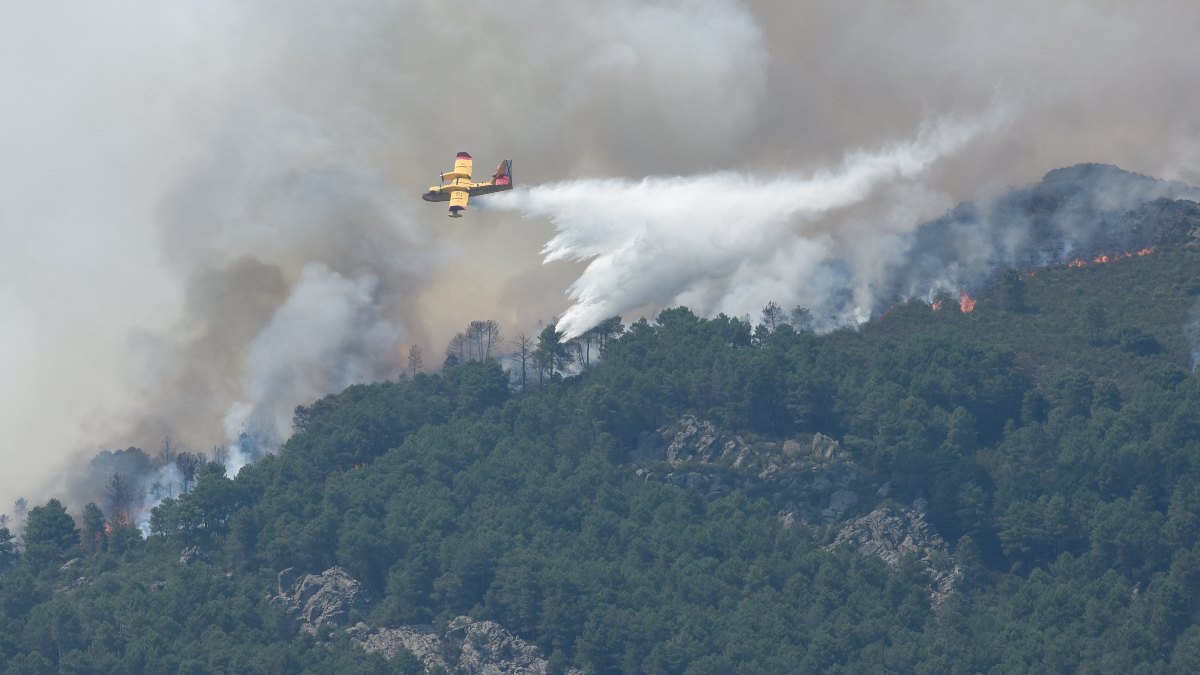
<point>1010,489</point>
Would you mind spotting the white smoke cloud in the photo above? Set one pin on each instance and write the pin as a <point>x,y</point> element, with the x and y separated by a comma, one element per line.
<point>328,335</point>
<point>723,242</point>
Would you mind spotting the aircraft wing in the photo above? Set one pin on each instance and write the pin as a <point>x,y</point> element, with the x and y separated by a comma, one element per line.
<point>462,169</point>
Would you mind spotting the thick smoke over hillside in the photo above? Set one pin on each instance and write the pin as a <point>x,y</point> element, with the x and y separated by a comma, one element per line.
<point>211,210</point>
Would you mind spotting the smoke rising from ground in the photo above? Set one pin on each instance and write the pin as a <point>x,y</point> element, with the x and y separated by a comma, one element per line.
<point>186,182</point>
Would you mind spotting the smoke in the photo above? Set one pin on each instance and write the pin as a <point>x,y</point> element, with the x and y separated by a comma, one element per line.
<point>328,335</point>
<point>184,180</point>
<point>723,242</point>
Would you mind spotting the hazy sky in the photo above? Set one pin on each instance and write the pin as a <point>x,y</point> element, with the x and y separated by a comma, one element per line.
<point>210,210</point>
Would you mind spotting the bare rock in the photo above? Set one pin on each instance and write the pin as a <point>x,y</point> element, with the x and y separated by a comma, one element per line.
<point>421,640</point>
<point>158,586</point>
<point>891,534</point>
<point>467,646</point>
<point>317,600</point>
<point>488,649</point>
<point>74,585</point>
<point>191,554</point>
<point>824,447</point>
<point>693,441</point>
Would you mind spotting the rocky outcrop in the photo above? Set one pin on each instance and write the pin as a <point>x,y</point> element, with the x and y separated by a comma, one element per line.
<point>422,640</point>
<point>695,440</point>
<point>809,478</point>
<point>316,600</point>
<point>890,534</point>
<point>466,646</point>
<point>190,555</point>
<point>823,447</point>
<point>75,585</point>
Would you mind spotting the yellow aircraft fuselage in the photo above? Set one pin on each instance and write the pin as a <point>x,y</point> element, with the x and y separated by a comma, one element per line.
<point>457,187</point>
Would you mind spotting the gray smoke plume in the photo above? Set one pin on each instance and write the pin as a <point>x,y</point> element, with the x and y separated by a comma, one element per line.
<point>183,179</point>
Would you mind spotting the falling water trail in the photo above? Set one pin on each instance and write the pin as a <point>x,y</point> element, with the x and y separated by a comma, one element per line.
<point>716,241</point>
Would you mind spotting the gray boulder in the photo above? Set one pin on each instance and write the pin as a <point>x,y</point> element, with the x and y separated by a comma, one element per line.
<point>316,600</point>
<point>694,441</point>
<point>75,585</point>
<point>191,554</point>
<point>824,447</point>
<point>467,646</point>
<point>890,534</point>
<point>422,640</point>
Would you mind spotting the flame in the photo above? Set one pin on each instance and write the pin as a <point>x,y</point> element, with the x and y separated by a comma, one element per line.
<point>966,304</point>
<point>122,518</point>
<point>1104,258</point>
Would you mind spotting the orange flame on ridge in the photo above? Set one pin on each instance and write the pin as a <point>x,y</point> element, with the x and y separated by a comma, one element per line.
<point>966,304</point>
<point>1101,259</point>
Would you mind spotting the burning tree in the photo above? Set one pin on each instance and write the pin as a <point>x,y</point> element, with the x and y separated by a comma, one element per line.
<point>119,492</point>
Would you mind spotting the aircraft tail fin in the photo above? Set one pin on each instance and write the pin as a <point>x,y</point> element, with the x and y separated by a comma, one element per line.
<point>503,173</point>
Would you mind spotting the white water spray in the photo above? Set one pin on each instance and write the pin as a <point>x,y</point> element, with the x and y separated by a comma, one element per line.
<point>726,242</point>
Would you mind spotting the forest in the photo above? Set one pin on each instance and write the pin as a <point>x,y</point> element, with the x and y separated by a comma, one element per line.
<point>1050,429</point>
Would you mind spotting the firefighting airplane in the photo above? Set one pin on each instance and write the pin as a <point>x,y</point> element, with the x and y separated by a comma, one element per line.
<point>457,186</point>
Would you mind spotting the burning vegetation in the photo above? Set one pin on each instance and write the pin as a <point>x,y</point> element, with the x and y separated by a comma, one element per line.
<point>1101,259</point>
<point>966,304</point>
